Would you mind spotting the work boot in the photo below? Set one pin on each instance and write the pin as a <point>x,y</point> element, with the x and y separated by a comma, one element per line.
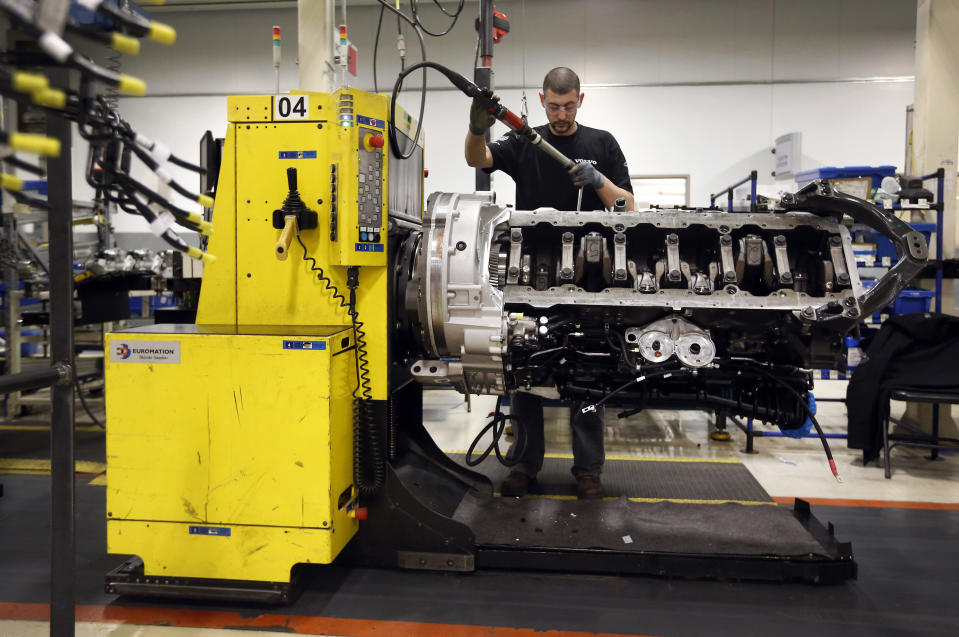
<point>589,488</point>
<point>516,485</point>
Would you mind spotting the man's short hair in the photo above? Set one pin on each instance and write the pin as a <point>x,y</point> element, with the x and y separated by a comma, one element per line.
<point>561,80</point>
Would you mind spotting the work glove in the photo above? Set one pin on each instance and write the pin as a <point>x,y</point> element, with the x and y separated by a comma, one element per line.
<point>480,117</point>
<point>585,174</point>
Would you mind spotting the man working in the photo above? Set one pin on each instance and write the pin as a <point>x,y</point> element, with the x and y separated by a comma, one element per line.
<point>542,182</point>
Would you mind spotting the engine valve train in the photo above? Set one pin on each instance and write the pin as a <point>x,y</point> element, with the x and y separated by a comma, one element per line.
<point>666,308</point>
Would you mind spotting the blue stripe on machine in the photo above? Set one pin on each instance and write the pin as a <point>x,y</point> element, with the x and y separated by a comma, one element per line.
<point>297,154</point>
<point>219,531</point>
<point>308,345</point>
<point>369,121</point>
<point>368,247</point>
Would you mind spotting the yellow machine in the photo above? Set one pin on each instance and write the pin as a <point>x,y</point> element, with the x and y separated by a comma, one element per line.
<point>230,442</point>
<point>286,426</point>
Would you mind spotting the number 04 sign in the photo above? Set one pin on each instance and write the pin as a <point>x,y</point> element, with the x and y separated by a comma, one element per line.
<point>291,107</point>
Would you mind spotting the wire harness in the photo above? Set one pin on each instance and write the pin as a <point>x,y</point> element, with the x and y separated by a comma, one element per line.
<point>113,141</point>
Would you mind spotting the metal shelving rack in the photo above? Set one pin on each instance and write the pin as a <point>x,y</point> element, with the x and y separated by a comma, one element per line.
<point>59,375</point>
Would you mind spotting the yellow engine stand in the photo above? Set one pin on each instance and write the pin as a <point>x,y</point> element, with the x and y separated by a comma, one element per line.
<point>229,442</point>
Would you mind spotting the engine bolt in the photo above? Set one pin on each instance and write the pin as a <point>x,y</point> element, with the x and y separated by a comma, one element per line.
<point>808,312</point>
<point>850,302</point>
<point>460,245</point>
<point>516,235</point>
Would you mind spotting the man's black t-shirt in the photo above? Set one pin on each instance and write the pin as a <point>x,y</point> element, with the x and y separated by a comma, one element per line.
<point>542,182</point>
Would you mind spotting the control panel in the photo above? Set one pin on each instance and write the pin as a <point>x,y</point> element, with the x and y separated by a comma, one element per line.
<point>370,186</point>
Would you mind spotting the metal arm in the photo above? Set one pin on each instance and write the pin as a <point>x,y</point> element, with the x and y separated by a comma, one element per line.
<point>822,199</point>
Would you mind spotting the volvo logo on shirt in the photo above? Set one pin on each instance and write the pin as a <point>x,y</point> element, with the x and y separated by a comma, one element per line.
<point>590,161</point>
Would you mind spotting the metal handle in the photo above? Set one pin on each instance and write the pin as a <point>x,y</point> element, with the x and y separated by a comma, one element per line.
<point>286,236</point>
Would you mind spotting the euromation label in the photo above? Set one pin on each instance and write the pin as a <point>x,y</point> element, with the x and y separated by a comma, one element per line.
<point>145,352</point>
<point>368,247</point>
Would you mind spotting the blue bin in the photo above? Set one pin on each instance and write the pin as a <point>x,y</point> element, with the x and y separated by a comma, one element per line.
<point>913,300</point>
<point>909,301</point>
<point>846,172</point>
<point>27,349</point>
<point>136,303</point>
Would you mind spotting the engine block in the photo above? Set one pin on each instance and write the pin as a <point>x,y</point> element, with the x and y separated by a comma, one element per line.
<point>576,303</point>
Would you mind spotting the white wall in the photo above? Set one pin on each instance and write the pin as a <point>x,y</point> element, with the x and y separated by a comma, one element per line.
<point>687,86</point>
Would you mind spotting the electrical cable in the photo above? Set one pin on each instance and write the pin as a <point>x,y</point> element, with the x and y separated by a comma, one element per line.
<point>366,430</point>
<point>394,144</point>
<point>366,438</point>
<point>22,165</point>
<point>664,373</point>
<point>321,276</point>
<point>498,426</point>
<point>455,17</point>
<point>83,401</point>
<point>815,423</point>
<point>376,46</point>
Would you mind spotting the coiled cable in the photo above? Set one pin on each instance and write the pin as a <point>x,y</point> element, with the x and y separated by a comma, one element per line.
<point>369,463</point>
<point>321,275</point>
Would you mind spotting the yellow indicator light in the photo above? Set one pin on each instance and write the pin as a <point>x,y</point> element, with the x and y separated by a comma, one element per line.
<point>162,33</point>
<point>9,182</point>
<point>29,82</point>
<point>37,144</point>
<point>205,200</point>
<point>125,44</point>
<point>132,86</point>
<point>50,97</point>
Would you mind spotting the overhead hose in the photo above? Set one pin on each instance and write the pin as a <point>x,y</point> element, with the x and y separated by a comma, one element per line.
<point>369,460</point>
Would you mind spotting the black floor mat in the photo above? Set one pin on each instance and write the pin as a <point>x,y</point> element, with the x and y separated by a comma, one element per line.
<point>669,527</point>
<point>646,478</point>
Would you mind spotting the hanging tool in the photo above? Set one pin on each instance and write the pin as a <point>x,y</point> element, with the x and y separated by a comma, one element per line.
<point>513,121</point>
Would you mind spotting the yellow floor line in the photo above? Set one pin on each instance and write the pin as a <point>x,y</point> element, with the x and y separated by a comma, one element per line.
<point>47,428</point>
<point>30,466</point>
<point>691,501</point>
<point>566,456</point>
<point>653,500</point>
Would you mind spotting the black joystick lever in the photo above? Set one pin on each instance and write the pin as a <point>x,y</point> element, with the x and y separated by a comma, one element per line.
<point>292,217</point>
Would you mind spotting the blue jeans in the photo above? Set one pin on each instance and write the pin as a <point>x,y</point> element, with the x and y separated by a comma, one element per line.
<point>587,430</point>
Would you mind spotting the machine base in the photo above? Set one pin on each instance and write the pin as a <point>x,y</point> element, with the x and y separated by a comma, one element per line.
<point>832,562</point>
<point>129,579</point>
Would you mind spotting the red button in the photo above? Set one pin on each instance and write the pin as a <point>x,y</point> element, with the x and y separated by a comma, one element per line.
<point>376,141</point>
